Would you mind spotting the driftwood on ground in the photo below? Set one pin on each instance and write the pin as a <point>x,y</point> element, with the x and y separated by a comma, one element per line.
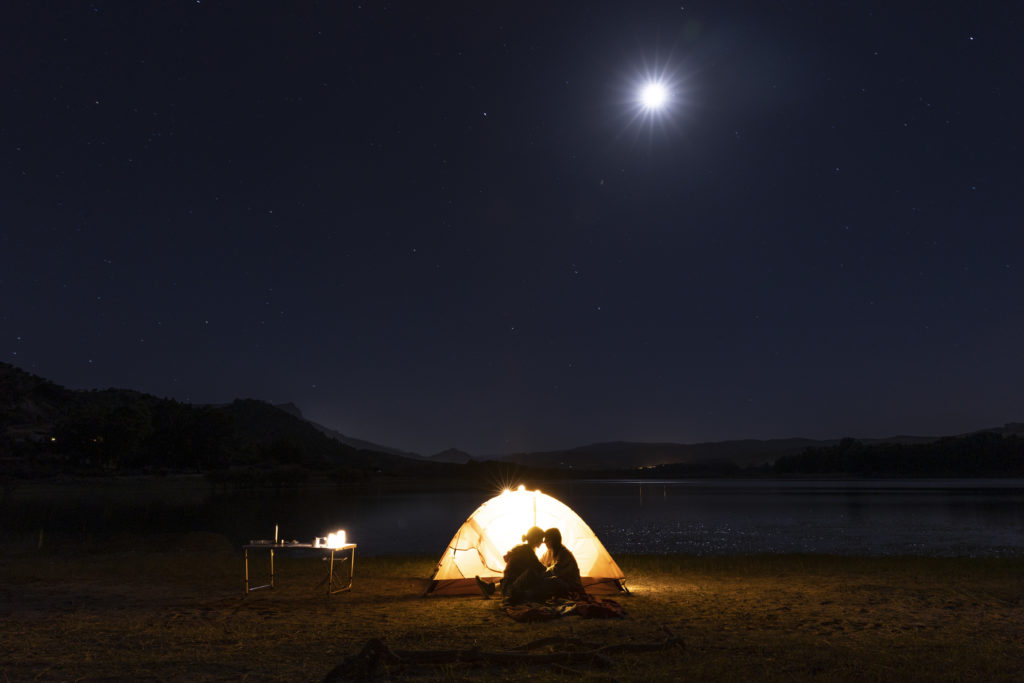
<point>376,656</point>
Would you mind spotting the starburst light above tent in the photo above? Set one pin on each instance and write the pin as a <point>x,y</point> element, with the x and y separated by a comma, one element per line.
<point>480,544</point>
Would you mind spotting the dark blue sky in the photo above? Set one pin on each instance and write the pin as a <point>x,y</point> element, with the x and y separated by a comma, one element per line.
<point>452,226</point>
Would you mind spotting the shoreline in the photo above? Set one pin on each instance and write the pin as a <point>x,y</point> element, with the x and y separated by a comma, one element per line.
<point>172,608</point>
<point>394,484</point>
<point>395,518</point>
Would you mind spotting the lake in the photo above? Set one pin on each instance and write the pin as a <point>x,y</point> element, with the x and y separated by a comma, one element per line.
<point>947,518</point>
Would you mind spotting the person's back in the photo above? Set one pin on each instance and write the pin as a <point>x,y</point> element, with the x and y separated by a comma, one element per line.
<point>521,560</point>
<point>561,564</point>
<point>522,568</point>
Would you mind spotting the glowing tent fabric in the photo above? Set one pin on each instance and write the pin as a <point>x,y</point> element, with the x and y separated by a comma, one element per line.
<point>496,526</point>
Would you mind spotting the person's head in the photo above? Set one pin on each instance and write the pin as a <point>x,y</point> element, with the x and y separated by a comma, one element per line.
<point>534,536</point>
<point>553,538</point>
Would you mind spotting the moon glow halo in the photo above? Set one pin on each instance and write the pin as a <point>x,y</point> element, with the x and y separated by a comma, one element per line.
<point>653,96</point>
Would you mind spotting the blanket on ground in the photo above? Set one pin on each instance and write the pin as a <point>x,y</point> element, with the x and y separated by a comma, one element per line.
<point>586,606</point>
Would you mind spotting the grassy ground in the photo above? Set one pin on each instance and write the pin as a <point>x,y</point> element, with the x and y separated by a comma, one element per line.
<point>171,609</point>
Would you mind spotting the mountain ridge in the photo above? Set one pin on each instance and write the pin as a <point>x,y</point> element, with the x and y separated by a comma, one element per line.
<point>35,411</point>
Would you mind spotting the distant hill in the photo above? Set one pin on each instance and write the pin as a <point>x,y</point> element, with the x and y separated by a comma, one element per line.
<point>725,458</point>
<point>28,404</point>
<point>619,455</point>
<point>47,429</point>
<point>987,453</point>
<point>1008,429</point>
<point>360,444</point>
<point>452,455</point>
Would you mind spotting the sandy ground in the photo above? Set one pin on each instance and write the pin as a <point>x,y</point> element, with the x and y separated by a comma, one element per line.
<point>172,609</point>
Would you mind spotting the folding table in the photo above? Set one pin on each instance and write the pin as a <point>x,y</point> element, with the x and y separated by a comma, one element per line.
<point>336,554</point>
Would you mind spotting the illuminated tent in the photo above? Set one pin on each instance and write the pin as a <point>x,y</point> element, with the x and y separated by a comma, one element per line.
<point>480,544</point>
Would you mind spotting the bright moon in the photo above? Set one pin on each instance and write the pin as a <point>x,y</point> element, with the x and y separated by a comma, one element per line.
<point>653,96</point>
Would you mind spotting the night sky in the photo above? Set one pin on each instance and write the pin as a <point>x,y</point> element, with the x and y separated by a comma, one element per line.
<point>436,225</point>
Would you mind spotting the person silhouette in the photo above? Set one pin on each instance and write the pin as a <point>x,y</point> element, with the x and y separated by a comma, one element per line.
<point>562,573</point>
<point>524,574</point>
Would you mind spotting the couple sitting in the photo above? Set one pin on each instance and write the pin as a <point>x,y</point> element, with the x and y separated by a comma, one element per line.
<point>528,579</point>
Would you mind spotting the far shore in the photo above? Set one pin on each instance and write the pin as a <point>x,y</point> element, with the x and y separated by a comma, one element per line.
<point>179,482</point>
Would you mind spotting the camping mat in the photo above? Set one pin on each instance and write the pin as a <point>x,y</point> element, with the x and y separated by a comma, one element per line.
<point>587,607</point>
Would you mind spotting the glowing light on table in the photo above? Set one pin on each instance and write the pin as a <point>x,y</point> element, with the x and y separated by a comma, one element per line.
<point>335,539</point>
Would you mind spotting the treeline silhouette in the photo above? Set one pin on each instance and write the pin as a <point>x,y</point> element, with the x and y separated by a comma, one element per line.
<point>123,432</point>
<point>983,454</point>
<point>47,430</point>
<point>247,443</point>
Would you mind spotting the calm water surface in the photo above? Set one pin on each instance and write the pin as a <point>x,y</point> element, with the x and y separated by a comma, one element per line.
<point>697,517</point>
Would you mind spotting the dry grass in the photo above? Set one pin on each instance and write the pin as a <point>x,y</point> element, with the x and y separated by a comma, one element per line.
<point>171,609</point>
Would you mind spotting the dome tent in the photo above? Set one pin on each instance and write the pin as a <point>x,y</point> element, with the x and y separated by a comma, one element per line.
<point>480,544</point>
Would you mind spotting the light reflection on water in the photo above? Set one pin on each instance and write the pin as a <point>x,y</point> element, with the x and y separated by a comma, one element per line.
<point>936,517</point>
<point>695,517</point>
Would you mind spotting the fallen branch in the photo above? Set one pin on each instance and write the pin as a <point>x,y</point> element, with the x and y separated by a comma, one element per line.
<point>555,640</point>
<point>375,655</point>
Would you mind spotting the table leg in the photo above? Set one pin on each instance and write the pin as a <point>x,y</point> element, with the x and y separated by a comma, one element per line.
<point>331,590</point>
<point>245,576</point>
